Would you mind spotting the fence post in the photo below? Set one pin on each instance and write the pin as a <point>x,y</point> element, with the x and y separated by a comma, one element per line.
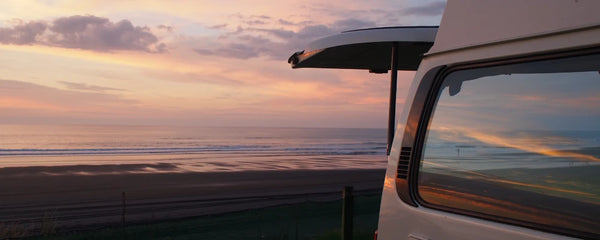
<point>347,213</point>
<point>123,212</point>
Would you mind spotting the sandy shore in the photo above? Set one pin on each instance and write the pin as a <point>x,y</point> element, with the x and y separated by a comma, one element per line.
<point>88,201</point>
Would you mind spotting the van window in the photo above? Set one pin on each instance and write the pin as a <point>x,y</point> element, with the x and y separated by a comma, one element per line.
<point>518,143</point>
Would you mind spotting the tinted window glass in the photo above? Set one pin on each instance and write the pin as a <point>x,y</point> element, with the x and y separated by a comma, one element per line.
<point>519,143</point>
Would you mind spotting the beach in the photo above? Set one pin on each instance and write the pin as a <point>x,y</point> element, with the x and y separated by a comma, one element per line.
<point>80,202</point>
<point>76,178</point>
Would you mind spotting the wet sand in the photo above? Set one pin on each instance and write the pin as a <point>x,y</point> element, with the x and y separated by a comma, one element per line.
<point>73,201</point>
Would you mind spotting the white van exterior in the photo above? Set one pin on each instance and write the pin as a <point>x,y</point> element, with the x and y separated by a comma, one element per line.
<point>499,137</point>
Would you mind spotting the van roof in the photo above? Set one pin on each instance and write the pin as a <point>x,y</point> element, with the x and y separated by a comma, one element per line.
<point>490,22</point>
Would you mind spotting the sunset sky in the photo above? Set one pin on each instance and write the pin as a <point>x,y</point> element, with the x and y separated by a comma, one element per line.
<point>204,63</point>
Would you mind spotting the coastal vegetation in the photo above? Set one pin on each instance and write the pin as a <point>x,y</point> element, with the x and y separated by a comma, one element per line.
<point>308,220</point>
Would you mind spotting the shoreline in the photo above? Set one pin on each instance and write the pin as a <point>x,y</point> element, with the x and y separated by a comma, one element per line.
<point>93,164</point>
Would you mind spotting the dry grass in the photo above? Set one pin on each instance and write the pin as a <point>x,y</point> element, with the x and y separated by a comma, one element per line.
<point>46,226</point>
<point>12,230</point>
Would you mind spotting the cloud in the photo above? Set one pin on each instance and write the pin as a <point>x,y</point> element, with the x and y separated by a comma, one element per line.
<point>349,24</point>
<point>231,50</point>
<point>313,31</point>
<point>23,102</point>
<point>196,77</point>
<point>431,9</point>
<point>219,26</point>
<point>255,22</point>
<point>24,33</point>
<point>285,22</point>
<point>165,27</point>
<point>280,33</point>
<point>83,32</point>
<point>265,17</point>
<point>384,13</point>
<point>64,99</point>
<point>86,87</point>
<point>275,43</point>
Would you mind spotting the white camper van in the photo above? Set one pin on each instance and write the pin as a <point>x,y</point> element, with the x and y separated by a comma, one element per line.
<point>500,135</point>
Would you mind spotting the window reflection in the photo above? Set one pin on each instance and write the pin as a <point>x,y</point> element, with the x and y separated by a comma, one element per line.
<point>521,142</point>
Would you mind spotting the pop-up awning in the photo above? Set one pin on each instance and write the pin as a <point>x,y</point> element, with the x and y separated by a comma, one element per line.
<point>367,49</point>
<point>377,50</point>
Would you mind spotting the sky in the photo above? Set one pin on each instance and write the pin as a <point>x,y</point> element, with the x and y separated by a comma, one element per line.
<point>200,63</point>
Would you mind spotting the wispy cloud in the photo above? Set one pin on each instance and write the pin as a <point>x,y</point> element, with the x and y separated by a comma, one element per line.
<point>166,27</point>
<point>87,87</point>
<point>275,43</point>
<point>23,102</point>
<point>57,98</point>
<point>231,50</point>
<point>430,9</point>
<point>83,32</point>
<point>218,26</point>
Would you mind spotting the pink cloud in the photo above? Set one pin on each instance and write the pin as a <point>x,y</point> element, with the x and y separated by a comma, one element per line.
<point>83,32</point>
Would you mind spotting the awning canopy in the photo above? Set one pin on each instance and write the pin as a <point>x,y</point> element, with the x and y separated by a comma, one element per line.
<point>367,49</point>
<point>376,49</point>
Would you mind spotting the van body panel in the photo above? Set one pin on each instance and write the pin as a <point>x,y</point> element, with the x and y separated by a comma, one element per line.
<point>397,220</point>
<point>473,22</point>
<point>563,41</point>
<point>478,33</point>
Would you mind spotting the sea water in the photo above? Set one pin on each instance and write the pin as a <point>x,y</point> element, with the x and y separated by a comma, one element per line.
<point>185,149</point>
<point>78,149</point>
<point>512,149</point>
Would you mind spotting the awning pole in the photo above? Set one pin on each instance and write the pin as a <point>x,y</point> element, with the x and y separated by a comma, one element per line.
<point>393,86</point>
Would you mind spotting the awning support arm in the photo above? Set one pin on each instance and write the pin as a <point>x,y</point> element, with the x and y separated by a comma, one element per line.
<point>393,89</point>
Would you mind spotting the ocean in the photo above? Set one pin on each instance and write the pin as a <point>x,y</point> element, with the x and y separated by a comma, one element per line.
<point>79,149</point>
<point>454,150</point>
<point>84,150</point>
